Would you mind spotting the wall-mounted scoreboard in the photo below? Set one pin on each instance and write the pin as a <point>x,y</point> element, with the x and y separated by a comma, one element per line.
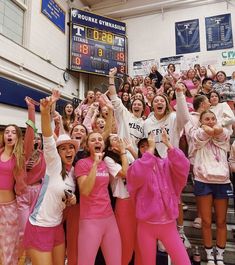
<point>97,43</point>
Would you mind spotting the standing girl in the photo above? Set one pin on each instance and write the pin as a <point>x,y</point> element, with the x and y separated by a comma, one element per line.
<point>155,185</point>
<point>35,169</point>
<point>212,185</point>
<point>11,183</point>
<point>97,226</point>
<point>129,124</point>
<point>44,234</point>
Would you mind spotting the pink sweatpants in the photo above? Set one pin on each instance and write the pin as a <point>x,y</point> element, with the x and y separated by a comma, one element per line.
<point>127,224</point>
<point>9,233</point>
<point>25,204</point>
<point>168,234</point>
<point>99,232</point>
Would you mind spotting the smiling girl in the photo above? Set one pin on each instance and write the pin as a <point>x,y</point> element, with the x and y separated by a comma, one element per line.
<point>129,124</point>
<point>212,184</point>
<point>44,234</point>
<point>163,117</point>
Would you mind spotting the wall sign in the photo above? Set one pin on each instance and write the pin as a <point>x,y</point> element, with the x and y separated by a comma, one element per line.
<point>219,32</point>
<point>54,13</point>
<point>142,68</point>
<point>176,60</point>
<point>228,58</point>
<point>97,43</point>
<point>187,36</point>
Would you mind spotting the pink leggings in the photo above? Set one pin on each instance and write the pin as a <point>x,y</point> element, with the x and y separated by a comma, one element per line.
<point>99,232</point>
<point>127,224</point>
<point>168,234</point>
<point>9,233</point>
<point>25,204</point>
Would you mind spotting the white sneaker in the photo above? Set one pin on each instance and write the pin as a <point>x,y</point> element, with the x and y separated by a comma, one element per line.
<point>210,256</point>
<point>197,223</point>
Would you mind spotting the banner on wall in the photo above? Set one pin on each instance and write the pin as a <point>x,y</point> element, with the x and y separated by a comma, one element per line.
<point>187,36</point>
<point>167,60</point>
<point>219,32</point>
<point>228,58</point>
<point>142,68</point>
<point>54,13</point>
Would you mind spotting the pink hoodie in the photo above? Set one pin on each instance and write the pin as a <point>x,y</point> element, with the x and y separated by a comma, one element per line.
<point>156,184</point>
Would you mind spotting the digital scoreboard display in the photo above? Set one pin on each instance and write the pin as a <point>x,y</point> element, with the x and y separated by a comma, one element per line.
<point>97,43</point>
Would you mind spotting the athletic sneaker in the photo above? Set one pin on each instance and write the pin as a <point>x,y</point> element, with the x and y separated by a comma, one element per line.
<point>197,223</point>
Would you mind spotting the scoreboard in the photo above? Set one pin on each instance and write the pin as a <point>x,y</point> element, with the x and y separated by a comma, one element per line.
<point>97,43</point>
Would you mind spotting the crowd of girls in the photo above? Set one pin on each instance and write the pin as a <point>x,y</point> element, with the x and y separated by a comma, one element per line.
<point>123,147</point>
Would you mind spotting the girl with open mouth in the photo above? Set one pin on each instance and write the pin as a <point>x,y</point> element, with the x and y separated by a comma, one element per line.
<point>44,234</point>
<point>11,183</point>
<point>97,225</point>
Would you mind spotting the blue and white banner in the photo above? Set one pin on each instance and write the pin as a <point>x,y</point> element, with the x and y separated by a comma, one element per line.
<point>54,13</point>
<point>219,32</point>
<point>187,36</point>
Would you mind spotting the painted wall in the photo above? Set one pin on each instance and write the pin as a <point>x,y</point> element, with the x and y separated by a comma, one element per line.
<point>153,37</point>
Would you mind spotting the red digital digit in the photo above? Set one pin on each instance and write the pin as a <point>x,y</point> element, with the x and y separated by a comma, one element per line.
<point>84,49</point>
<point>77,61</point>
<point>120,56</point>
<point>122,69</point>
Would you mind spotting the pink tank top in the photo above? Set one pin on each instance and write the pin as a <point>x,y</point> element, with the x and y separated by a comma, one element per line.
<point>7,180</point>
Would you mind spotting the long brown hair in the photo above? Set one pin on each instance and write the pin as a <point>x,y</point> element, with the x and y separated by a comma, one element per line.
<point>18,150</point>
<point>18,153</point>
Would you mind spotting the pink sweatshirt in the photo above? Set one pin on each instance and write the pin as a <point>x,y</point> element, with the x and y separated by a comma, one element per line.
<point>156,184</point>
<point>210,163</point>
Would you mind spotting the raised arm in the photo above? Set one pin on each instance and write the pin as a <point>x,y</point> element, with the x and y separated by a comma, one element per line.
<point>112,89</point>
<point>45,108</point>
<point>31,128</point>
<point>108,125</point>
<point>182,112</point>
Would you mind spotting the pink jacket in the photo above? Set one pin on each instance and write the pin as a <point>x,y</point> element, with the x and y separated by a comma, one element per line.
<point>156,184</point>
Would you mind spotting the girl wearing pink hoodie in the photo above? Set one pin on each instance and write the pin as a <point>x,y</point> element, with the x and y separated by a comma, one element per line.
<point>156,184</point>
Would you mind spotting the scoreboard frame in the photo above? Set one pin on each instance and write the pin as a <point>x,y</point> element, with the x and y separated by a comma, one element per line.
<point>97,44</point>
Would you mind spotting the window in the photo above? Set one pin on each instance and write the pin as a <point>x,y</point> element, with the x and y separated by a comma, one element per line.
<point>12,19</point>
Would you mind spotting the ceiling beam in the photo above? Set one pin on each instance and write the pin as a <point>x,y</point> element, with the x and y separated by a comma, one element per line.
<point>125,11</point>
<point>85,2</point>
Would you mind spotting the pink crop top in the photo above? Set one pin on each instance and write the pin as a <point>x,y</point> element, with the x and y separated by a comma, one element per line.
<point>7,180</point>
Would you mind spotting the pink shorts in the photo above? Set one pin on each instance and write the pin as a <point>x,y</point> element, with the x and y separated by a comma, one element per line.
<point>43,238</point>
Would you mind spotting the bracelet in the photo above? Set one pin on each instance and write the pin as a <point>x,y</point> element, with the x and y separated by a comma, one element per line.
<point>112,84</point>
<point>32,125</point>
<point>123,154</point>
